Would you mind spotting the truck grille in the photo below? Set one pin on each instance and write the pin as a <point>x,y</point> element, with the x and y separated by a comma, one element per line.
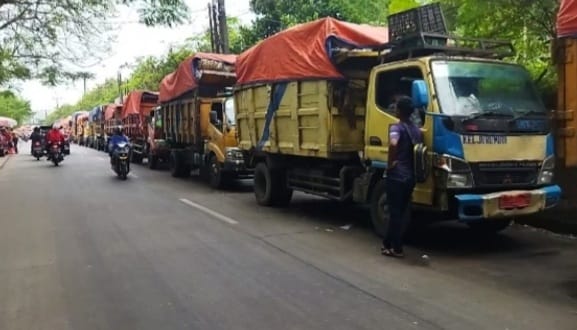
<point>505,173</point>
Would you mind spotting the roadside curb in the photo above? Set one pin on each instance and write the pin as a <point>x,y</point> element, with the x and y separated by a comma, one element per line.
<point>4,160</point>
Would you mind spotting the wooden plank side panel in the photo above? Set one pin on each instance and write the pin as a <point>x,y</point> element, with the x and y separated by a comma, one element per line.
<point>303,124</point>
<point>348,129</point>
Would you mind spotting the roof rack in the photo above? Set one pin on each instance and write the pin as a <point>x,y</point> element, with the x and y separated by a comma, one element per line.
<point>422,31</point>
<point>426,44</point>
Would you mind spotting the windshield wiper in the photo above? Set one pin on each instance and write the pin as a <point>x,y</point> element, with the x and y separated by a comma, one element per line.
<point>525,114</point>
<point>486,113</point>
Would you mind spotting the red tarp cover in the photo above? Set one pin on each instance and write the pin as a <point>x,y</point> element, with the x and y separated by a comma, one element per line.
<point>133,103</point>
<point>567,18</point>
<point>109,112</point>
<point>182,80</point>
<point>301,51</point>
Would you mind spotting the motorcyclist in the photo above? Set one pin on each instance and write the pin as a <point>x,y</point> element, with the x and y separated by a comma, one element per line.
<point>54,136</point>
<point>116,138</point>
<point>36,136</point>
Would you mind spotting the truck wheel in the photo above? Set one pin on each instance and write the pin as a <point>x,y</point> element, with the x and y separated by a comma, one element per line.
<point>262,185</point>
<point>270,187</point>
<point>152,162</point>
<point>379,209</point>
<point>489,227</point>
<point>216,178</point>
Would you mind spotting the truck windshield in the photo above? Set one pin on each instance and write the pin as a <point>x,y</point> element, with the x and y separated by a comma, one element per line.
<point>480,88</point>
<point>229,111</point>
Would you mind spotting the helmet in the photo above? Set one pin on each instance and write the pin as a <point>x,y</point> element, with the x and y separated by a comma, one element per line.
<point>117,130</point>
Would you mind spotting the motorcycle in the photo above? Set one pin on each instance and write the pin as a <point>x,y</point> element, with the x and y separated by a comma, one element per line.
<point>37,150</point>
<point>121,165</point>
<point>56,155</point>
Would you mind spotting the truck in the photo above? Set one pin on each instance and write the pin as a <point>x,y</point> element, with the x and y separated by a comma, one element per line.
<point>112,119</point>
<point>564,49</point>
<point>136,110</point>
<point>198,120</point>
<point>96,123</point>
<point>79,119</point>
<point>158,149</point>
<point>314,117</point>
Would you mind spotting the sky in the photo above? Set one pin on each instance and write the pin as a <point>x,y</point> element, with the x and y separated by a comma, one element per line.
<point>127,47</point>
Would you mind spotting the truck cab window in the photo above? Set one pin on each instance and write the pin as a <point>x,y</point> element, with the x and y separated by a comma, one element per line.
<point>393,84</point>
<point>216,114</point>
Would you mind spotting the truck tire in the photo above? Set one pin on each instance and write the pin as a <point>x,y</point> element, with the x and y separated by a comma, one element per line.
<point>489,227</point>
<point>378,208</point>
<point>270,187</point>
<point>216,178</point>
<point>152,162</point>
<point>178,168</point>
<point>380,212</point>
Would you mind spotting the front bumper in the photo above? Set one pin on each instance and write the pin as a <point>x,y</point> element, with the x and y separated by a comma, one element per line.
<point>236,166</point>
<point>474,207</point>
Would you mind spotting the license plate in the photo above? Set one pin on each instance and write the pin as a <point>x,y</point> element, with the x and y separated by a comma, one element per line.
<point>510,202</point>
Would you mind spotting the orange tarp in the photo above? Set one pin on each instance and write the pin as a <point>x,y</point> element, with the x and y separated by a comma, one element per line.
<point>183,80</point>
<point>138,102</point>
<point>302,52</point>
<point>109,112</point>
<point>567,18</point>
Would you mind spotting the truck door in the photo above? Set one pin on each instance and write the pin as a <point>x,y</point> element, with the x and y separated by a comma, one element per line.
<point>387,84</point>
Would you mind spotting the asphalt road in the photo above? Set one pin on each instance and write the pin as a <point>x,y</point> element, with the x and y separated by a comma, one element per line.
<point>80,249</point>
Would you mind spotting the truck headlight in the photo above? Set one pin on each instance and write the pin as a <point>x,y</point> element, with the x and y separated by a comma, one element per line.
<point>547,171</point>
<point>234,154</point>
<point>453,172</point>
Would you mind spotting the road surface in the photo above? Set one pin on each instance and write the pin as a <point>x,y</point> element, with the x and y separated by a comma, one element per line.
<point>80,249</point>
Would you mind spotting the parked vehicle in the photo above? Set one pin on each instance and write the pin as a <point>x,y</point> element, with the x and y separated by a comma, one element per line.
<point>198,119</point>
<point>112,114</point>
<point>135,116</point>
<point>158,148</point>
<point>313,117</point>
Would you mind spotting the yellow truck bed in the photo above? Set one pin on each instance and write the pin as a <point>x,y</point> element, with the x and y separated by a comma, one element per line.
<point>315,118</point>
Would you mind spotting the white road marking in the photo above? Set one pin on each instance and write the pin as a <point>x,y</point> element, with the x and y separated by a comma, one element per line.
<point>209,211</point>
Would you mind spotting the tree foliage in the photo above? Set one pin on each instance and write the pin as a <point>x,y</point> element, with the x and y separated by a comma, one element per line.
<point>276,15</point>
<point>11,105</point>
<point>46,39</point>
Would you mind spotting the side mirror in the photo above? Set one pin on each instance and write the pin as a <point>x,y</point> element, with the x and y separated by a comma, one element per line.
<point>420,94</point>
<point>213,117</point>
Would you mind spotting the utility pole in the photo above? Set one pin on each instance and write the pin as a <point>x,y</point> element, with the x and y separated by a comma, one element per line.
<point>211,22</point>
<point>120,86</point>
<point>215,27</point>
<point>222,27</point>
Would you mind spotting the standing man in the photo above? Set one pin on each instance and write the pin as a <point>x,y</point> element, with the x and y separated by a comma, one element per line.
<point>15,141</point>
<point>403,136</point>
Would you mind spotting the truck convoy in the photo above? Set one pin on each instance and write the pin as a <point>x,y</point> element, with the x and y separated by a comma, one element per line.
<point>198,119</point>
<point>313,109</point>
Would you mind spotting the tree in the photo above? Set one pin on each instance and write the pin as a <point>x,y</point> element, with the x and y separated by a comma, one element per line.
<point>44,38</point>
<point>11,105</point>
<point>276,15</point>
